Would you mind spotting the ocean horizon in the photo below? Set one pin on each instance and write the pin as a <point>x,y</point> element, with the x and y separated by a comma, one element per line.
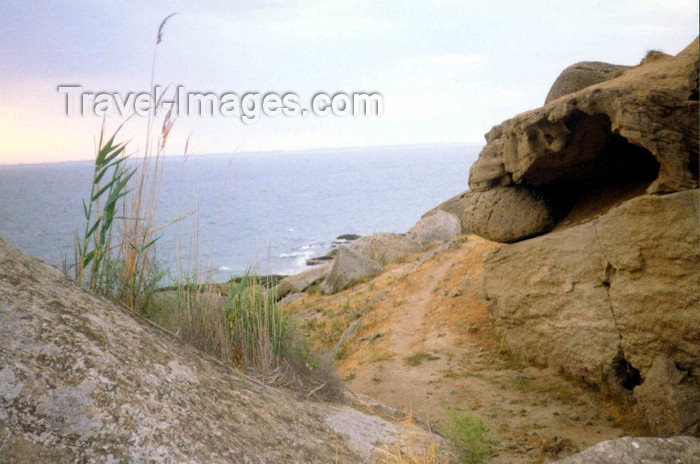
<point>268,212</point>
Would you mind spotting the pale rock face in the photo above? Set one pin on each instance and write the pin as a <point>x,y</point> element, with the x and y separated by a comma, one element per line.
<point>634,450</point>
<point>82,380</point>
<point>618,290</point>
<point>454,205</point>
<point>349,267</point>
<point>386,247</point>
<point>300,282</point>
<point>438,227</point>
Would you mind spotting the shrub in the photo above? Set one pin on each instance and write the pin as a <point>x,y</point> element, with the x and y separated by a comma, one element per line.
<point>470,436</point>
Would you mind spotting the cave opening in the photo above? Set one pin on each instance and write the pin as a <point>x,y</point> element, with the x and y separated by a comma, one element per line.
<point>597,170</point>
<point>628,376</point>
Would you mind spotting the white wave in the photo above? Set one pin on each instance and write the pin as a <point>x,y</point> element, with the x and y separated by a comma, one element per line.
<point>296,254</point>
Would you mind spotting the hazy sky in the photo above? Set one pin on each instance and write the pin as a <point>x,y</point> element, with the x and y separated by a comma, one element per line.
<point>448,70</point>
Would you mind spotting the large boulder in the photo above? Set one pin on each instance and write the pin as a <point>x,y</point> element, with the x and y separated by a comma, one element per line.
<point>349,267</point>
<point>670,399</point>
<point>83,380</point>
<point>438,227</point>
<point>386,247</point>
<point>299,282</point>
<point>634,450</point>
<point>601,300</point>
<point>638,129</point>
<point>507,214</point>
<point>581,75</point>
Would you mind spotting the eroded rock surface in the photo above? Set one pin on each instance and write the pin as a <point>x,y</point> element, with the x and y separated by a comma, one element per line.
<point>603,299</point>
<point>438,227</point>
<point>82,380</point>
<point>633,450</point>
<point>640,126</point>
<point>386,247</point>
<point>670,399</point>
<point>581,75</point>
<point>299,282</point>
<point>507,214</point>
<point>348,268</point>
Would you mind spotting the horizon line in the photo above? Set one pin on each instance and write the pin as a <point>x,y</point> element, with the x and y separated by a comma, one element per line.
<point>259,152</point>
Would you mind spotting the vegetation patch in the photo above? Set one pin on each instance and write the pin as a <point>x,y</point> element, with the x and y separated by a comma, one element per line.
<point>417,359</point>
<point>470,436</point>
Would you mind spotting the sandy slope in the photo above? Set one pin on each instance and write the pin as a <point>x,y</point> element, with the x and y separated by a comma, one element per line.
<point>430,311</point>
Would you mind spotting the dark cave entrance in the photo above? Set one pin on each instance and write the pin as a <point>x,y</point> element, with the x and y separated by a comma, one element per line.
<point>596,171</point>
<point>628,376</point>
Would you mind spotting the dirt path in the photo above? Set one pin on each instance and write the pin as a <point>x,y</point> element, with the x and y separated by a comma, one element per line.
<point>426,343</point>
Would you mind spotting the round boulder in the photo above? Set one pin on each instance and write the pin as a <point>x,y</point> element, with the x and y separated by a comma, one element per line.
<point>507,214</point>
<point>581,75</point>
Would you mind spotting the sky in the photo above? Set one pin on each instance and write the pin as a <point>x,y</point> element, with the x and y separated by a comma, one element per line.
<point>447,70</point>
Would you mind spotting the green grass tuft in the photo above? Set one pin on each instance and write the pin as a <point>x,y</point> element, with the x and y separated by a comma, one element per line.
<point>470,436</point>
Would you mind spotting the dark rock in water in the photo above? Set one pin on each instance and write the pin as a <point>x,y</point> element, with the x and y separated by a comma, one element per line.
<point>348,237</point>
<point>322,259</point>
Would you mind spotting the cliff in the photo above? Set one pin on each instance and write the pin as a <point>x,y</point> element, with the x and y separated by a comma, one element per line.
<point>606,181</point>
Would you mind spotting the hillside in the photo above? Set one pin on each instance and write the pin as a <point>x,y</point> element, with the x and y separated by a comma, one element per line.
<point>419,339</point>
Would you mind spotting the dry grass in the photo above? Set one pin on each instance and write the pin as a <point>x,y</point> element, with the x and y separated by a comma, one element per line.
<point>394,454</point>
<point>399,452</point>
<point>247,330</point>
<point>203,324</point>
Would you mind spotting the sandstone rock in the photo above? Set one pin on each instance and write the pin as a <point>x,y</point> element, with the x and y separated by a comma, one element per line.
<point>299,282</point>
<point>617,291</point>
<point>454,205</point>
<point>648,112</point>
<point>82,380</point>
<point>581,75</point>
<point>507,214</point>
<point>633,450</point>
<point>348,268</point>
<point>670,399</point>
<point>435,228</point>
<point>385,247</point>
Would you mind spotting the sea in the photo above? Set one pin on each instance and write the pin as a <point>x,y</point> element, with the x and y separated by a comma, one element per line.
<point>260,212</point>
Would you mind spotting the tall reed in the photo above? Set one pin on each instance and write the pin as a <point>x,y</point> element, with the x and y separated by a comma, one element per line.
<point>93,250</point>
<point>127,270</point>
